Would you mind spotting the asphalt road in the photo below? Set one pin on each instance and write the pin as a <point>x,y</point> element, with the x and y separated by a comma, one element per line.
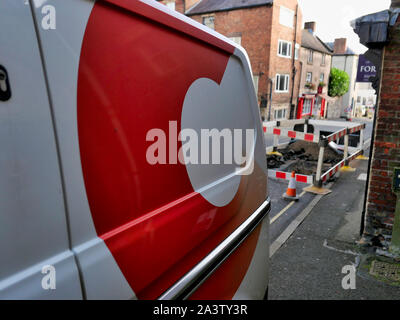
<point>283,212</point>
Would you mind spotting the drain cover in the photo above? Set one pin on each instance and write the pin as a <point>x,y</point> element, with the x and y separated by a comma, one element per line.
<point>386,270</point>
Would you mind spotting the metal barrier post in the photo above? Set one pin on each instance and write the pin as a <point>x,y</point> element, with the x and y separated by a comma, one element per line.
<point>361,145</point>
<point>276,138</point>
<point>322,145</point>
<point>317,187</point>
<point>346,154</point>
<point>276,142</point>
<point>346,146</point>
<point>318,181</point>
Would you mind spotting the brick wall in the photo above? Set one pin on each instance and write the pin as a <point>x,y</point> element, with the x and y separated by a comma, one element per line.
<point>284,65</point>
<point>340,46</point>
<point>254,26</point>
<point>334,107</point>
<point>386,153</point>
<point>316,68</point>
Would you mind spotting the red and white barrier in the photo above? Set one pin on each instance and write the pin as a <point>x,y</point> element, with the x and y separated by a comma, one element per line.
<point>275,128</point>
<point>331,172</point>
<point>355,155</point>
<point>357,128</point>
<point>336,135</point>
<point>286,176</point>
<point>283,132</point>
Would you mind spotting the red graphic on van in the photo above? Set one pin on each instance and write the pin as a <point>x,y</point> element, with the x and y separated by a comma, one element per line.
<point>136,66</point>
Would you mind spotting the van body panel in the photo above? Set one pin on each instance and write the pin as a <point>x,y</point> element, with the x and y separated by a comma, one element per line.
<point>139,209</point>
<point>101,276</point>
<point>116,71</point>
<point>33,224</point>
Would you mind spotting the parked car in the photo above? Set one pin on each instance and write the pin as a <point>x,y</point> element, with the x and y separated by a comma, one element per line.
<point>84,214</point>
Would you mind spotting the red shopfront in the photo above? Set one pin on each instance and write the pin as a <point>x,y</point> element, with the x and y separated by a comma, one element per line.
<point>311,105</point>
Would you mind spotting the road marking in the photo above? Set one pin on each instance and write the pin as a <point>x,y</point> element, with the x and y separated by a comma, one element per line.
<point>285,209</point>
<point>285,235</point>
<point>362,177</point>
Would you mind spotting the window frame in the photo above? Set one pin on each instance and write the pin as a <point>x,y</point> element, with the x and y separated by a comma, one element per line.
<point>256,79</point>
<point>310,55</point>
<point>322,77</point>
<point>234,40</point>
<point>311,74</point>
<point>283,114</point>
<point>171,5</point>
<point>304,107</point>
<point>323,59</point>
<point>289,48</point>
<point>286,83</point>
<point>282,17</point>
<point>203,18</point>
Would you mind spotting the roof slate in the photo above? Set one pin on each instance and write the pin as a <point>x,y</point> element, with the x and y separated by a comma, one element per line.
<point>310,41</point>
<point>207,6</point>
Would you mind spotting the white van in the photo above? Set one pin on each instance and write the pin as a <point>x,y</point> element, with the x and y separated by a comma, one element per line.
<point>88,90</point>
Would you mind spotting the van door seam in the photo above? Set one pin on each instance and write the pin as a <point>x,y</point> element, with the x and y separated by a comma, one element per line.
<point>54,125</point>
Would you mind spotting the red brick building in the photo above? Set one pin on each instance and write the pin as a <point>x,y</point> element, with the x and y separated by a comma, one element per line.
<point>381,33</point>
<point>270,31</point>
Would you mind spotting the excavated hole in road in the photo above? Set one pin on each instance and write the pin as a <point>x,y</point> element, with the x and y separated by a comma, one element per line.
<point>302,157</point>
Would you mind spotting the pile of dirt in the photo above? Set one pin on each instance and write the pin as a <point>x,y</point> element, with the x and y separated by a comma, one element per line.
<point>304,157</point>
<point>309,151</point>
<point>274,161</point>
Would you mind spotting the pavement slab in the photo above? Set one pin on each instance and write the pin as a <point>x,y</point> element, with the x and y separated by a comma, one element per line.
<point>308,266</point>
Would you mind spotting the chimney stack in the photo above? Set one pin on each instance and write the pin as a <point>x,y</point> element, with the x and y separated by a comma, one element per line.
<point>340,46</point>
<point>310,26</point>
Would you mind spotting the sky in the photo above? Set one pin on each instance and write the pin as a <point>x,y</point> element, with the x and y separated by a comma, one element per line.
<point>333,18</point>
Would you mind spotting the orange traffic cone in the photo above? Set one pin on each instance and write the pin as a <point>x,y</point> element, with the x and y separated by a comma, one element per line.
<point>291,190</point>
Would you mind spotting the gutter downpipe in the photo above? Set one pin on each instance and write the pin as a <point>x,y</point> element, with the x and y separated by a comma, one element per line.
<point>271,83</point>
<point>297,102</point>
<point>292,106</point>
